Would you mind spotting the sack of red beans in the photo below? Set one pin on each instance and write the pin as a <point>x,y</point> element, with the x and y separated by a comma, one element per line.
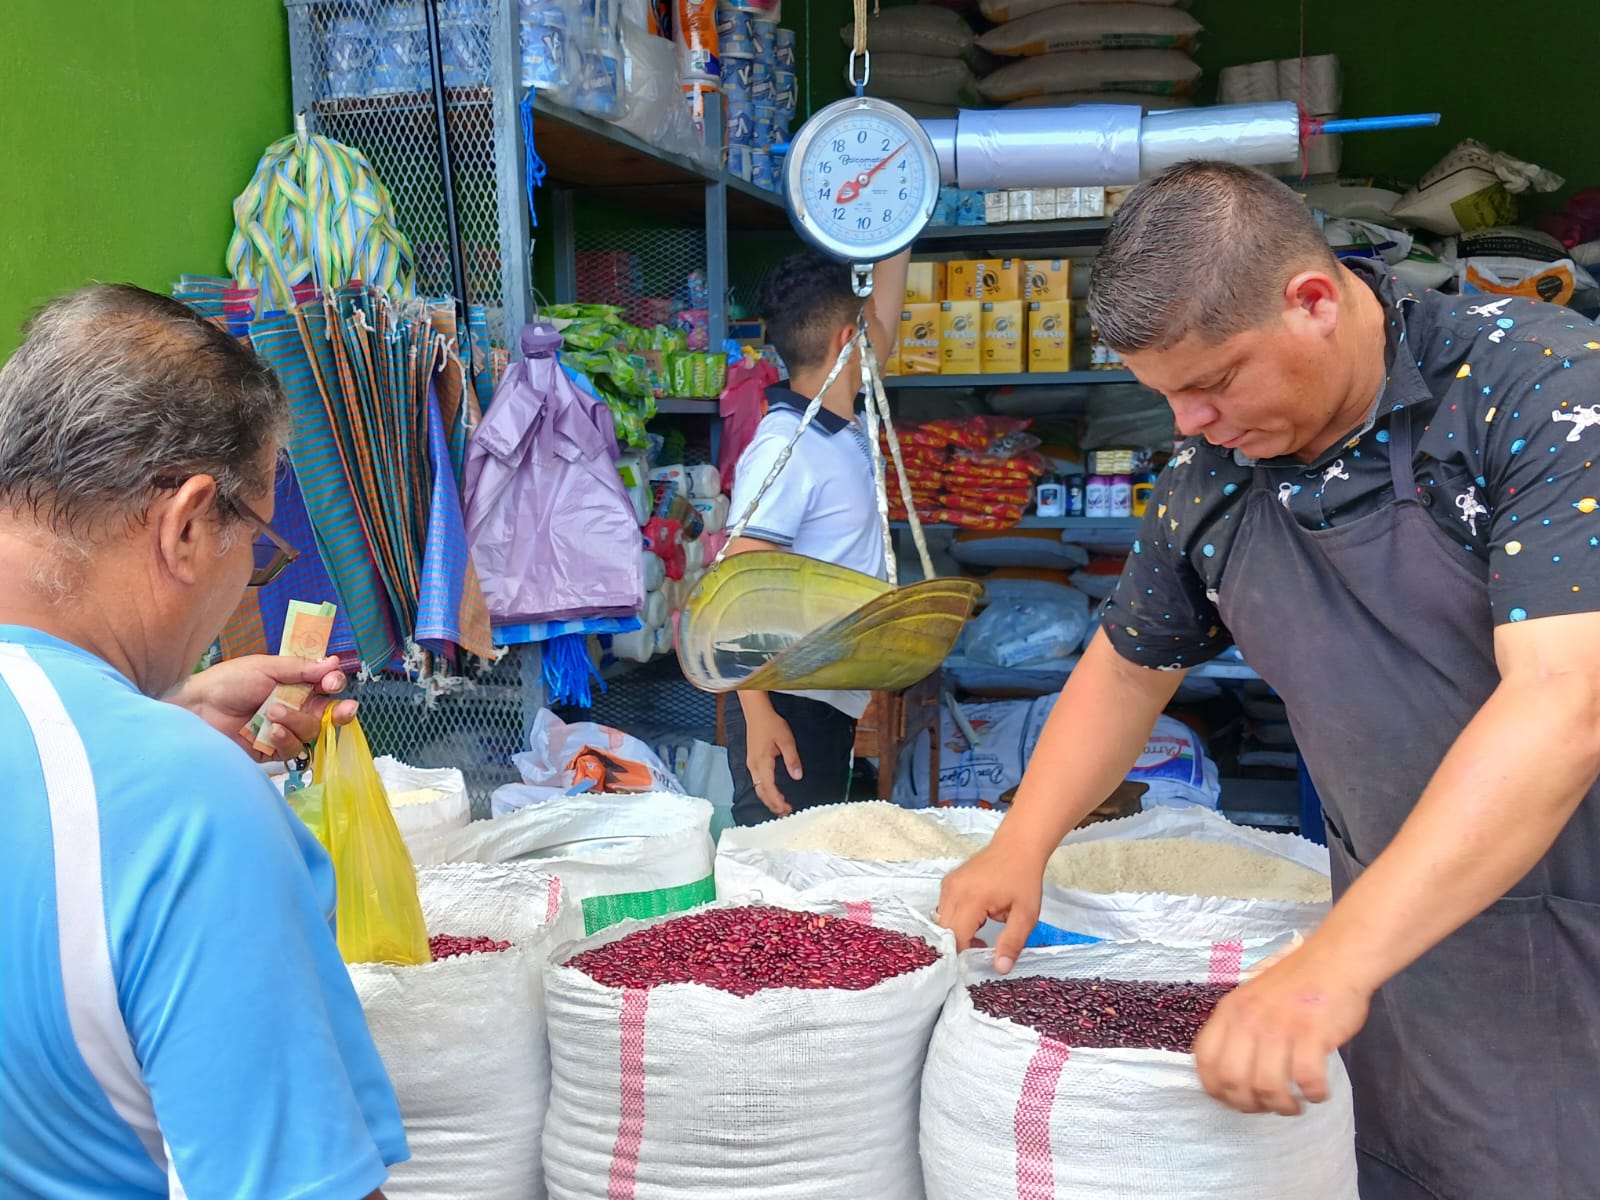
<point>463,1037</point>
<point>744,1050</point>
<point>1072,1079</point>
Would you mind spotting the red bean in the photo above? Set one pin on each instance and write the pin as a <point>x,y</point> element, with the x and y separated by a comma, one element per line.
<point>446,945</point>
<point>1103,1013</point>
<point>750,949</point>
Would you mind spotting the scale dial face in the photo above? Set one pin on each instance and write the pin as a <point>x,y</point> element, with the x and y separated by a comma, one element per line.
<point>861,180</point>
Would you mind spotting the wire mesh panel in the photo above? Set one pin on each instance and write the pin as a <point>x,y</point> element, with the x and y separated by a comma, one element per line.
<point>477,726</point>
<point>363,75</point>
<point>652,273</point>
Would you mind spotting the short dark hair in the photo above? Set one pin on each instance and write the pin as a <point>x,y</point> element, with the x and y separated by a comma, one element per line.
<point>114,388</point>
<point>1203,248</point>
<point>805,301</point>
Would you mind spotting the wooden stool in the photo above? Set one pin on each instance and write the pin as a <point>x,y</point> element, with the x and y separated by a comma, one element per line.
<point>893,720</point>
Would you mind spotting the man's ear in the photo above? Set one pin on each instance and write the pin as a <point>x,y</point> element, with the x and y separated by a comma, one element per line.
<point>184,522</point>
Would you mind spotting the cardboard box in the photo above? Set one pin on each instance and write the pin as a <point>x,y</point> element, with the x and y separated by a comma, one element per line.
<point>1004,337</point>
<point>1047,279</point>
<point>961,337</point>
<point>1050,335</point>
<point>919,352</point>
<point>924,283</point>
<point>984,279</point>
<point>996,208</point>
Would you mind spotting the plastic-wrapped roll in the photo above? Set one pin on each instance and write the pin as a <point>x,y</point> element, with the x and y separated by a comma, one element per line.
<point>943,135</point>
<point>1088,145</point>
<point>644,502</point>
<point>694,558</point>
<point>655,609</point>
<point>1247,134</point>
<point>655,571</point>
<point>638,645</point>
<point>713,513</point>
<point>1249,83</point>
<point>705,481</point>
<point>1317,87</point>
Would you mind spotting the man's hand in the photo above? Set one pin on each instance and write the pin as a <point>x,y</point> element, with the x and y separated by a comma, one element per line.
<point>993,883</point>
<point>227,695</point>
<point>1274,1034</point>
<point>769,738</point>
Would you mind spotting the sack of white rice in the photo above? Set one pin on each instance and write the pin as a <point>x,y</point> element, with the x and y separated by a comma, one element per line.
<point>1094,27</point>
<point>1158,72</point>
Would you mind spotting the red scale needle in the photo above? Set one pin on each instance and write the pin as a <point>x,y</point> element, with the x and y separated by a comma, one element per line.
<point>850,189</point>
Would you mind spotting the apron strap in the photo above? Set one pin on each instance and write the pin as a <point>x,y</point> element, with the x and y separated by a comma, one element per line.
<point>1401,470</point>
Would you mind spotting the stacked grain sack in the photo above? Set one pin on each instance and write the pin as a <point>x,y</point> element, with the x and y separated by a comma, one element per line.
<point>1063,53</point>
<point>923,59</point>
<point>1312,83</point>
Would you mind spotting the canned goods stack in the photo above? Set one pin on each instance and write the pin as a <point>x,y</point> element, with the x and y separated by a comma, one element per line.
<point>758,74</point>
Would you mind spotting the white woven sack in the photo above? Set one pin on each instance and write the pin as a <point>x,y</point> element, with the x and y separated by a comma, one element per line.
<point>1000,11</point>
<point>754,860</point>
<point>924,78</point>
<point>463,1039</point>
<point>448,809</point>
<point>1009,1112</point>
<point>684,1092</point>
<point>619,856</point>
<point>1121,916</point>
<point>1094,27</point>
<point>936,32</point>
<point>1158,72</point>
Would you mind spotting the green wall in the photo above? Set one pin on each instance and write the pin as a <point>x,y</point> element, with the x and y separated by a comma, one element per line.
<point>128,129</point>
<point>1523,78</point>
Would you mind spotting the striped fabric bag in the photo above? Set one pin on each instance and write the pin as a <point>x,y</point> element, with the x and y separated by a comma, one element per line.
<point>1008,1112</point>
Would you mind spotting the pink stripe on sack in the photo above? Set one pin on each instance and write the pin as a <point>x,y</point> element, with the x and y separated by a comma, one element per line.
<point>552,901</point>
<point>859,911</point>
<point>1036,1177</point>
<point>630,1131</point>
<point>1227,959</point>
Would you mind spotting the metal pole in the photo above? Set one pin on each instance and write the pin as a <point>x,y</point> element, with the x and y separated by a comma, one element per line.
<point>717,261</point>
<point>458,271</point>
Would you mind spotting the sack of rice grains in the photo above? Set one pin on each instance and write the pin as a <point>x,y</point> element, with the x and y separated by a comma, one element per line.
<point>1157,72</point>
<point>1074,1078</point>
<point>463,1037</point>
<point>1001,11</point>
<point>924,78</point>
<point>744,1050</point>
<point>915,29</point>
<point>1094,27</point>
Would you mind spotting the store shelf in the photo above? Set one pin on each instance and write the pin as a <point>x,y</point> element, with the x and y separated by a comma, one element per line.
<point>1040,378</point>
<point>1015,236</point>
<point>1263,803</point>
<point>1072,528</point>
<point>611,164</point>
<point>686,406</point>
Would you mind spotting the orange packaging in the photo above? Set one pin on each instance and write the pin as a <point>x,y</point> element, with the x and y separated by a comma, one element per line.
<point>1004,337</point>
<point>924,283</point>
<point>961,337</point>
<point>918,343</point>
<point>1050,335</point>
<point>984,279</point>
<point>1047,279</point>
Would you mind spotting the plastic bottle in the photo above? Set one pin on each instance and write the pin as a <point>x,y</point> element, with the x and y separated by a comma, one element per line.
<point>1121,496</point>
<point>1097,497</point>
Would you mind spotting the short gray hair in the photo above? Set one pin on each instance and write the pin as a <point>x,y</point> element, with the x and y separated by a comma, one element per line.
<point>116,391</point>
<point>1203,248</point>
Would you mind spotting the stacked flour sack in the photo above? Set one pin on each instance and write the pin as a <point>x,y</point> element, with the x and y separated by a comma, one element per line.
<point>1061,53</point>
<point>924,58</point>
<point>758,75</point>
<point>1313,83</point>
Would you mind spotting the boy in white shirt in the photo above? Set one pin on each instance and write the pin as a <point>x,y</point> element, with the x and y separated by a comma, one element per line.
<point>822,505</point>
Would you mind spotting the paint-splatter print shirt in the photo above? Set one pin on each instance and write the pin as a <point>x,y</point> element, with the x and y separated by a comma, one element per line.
<point>1505,394</point>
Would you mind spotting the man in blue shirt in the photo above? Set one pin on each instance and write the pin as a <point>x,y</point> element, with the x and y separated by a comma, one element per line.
<point>175,1019</point>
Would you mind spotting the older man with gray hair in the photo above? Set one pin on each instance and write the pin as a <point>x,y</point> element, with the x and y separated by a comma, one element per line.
<point>176,1016</point>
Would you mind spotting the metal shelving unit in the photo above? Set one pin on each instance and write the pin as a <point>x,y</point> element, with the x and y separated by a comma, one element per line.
<point>1020,379</point>
<point>1020,235</point>
<point>1073,528</point>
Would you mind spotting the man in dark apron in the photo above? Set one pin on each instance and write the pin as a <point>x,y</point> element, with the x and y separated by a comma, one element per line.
<point>1388,501</point>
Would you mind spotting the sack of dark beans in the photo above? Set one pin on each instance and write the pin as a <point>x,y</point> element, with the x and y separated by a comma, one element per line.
<point>463,1037</point>
<point>1072,1078</point>
<point>744,1050</point>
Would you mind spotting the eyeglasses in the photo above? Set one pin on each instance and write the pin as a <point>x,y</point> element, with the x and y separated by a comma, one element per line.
<point>273,553</point>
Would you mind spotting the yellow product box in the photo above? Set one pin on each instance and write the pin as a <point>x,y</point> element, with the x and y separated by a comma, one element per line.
<point>984,279</point>
<point>1050,335</point>
<point>1004,337</point>
<point>918,343</point>
<point>961,337</point>
<point>1047,279</point>
<point>924,283</point>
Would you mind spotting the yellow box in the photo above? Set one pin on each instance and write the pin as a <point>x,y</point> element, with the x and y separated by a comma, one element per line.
<point>1004,337</point>
<point>1047,279</point>
<point>919,340</point>
<point>984,279</point>
<point>1050,335</point>
<point>924,283</point>
<point>961,337</point>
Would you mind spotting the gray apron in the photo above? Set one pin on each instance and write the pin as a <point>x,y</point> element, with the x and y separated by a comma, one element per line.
<point>1477,1075</point>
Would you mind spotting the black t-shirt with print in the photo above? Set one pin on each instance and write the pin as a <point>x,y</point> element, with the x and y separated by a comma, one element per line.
<point>1505,396</point>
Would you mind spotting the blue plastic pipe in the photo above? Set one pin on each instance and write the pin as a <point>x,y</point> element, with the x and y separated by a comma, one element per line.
<point>1374,124</point>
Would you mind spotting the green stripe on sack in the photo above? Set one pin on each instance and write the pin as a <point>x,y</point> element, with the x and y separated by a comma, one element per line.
<point>600,911</point>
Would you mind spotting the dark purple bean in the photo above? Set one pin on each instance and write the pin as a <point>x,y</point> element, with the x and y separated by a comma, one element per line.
<point>1103,1013</point>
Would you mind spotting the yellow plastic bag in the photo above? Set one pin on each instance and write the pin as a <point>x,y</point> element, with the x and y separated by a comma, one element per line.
<point>377,915</point>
